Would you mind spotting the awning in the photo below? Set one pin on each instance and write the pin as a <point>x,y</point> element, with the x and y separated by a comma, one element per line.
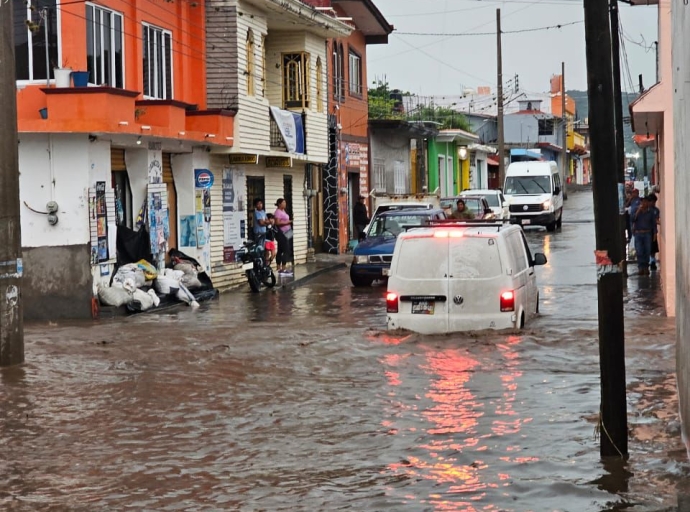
<point>645,141</point>
<point>492,160</point>
<point>647,111</point>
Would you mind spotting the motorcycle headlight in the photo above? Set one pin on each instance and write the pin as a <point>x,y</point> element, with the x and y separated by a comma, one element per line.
<point>361,260</point>
<point>546,204</point>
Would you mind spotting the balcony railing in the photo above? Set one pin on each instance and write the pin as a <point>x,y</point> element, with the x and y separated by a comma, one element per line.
<point>277,141</point>
<point>278,138</point>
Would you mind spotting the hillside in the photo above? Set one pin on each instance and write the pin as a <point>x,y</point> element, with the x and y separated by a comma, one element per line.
<point>582,102</point>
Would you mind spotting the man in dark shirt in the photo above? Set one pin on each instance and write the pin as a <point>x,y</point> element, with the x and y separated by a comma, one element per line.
<point>644,231</point>
<point>360,217</point>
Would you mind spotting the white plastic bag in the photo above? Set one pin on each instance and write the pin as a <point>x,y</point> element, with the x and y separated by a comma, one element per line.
<point>114,296</point>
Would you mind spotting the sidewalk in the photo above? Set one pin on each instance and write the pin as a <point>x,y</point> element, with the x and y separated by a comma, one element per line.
<point>305,272</point>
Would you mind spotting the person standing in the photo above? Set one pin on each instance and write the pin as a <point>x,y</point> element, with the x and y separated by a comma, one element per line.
<point>260,221</point>
<point>644,230</point>
<point>655,239</point>
<point>360,217</point>
<point>284,237</point>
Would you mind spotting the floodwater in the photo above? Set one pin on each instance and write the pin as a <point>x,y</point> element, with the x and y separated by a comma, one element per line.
<point>301,401</point>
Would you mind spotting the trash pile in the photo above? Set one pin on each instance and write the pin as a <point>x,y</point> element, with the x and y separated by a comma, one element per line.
<point>140,286</point>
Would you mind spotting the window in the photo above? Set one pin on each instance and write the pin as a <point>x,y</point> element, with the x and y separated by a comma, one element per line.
<point>30,20</point>
<point>157,63</point>
<point>250,63</point>
<point>545,126</point>
<point>296,80</point>
<point>104,47</point>
<point>338,72</point>
<point>319,85</point>
<point>355,74</point>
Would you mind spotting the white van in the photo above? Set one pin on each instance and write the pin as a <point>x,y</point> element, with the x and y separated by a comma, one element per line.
<point>462,277</point>
<point>535,194</point>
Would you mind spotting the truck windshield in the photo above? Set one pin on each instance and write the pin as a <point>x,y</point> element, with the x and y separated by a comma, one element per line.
<point>516,185</point>
<point>393,225</point>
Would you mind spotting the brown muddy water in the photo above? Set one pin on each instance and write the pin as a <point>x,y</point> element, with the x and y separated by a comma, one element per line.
<point>301,401</point>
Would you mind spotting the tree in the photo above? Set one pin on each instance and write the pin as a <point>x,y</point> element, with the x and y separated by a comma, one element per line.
<point>384,103</point>
<point>447,117</point>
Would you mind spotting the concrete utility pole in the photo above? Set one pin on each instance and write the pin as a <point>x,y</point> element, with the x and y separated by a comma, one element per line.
<point>499,94</point>
<point>564,128</point>
<point>607,189</point>
<point>11,311</point>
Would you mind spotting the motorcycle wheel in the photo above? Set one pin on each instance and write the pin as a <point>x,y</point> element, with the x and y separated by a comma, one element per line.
<point>254,282</point>
<point>270,279</point>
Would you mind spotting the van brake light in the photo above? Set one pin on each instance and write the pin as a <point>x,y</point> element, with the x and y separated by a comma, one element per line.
<point>508,301</point>
<point>391,302</point>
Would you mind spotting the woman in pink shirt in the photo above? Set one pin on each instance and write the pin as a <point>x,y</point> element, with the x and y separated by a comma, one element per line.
<point>284,237</point>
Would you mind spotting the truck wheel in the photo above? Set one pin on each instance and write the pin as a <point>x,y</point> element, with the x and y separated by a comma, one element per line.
<point>360,281</point>
<point>559,222</point>
<point>551,227</point>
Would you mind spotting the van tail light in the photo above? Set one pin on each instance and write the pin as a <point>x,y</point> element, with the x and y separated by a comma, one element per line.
<point>391,302</point>
<point>508,301</point>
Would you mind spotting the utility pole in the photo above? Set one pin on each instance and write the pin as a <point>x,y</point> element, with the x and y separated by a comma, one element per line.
<point>607,191</point>
<point>618,106</point>
<point>564,130</point>
<point>499,90</point>
<point>11,268</point>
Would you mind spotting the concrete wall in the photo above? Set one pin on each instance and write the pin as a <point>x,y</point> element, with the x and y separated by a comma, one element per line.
<point>389,147</point>
<point>681,109</point>
<point>524,129</point>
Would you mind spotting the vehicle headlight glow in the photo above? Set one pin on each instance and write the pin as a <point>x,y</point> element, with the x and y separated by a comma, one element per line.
<point>361,260</point>
<point>546,204</point>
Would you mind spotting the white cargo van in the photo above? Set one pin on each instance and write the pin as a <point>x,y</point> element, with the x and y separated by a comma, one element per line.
<point>462,277</point>
<point>535,194</point>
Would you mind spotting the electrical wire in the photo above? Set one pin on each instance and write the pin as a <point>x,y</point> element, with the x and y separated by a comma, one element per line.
<point>466,34</point>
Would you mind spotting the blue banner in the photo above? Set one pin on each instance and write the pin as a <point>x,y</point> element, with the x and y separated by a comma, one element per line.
<point>291,129</point>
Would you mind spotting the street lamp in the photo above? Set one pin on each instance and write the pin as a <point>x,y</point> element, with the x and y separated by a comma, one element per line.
<point>462,152</point>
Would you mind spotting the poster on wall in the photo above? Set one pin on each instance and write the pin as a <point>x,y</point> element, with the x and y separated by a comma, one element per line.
<point>203,181</point>
<point>101,221</point>
<point>234,213</point>
<point>159,227</point>
<point>188,231</point>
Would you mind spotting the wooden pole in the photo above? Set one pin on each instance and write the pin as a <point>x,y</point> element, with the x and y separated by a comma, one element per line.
<point>607,193</point>
<point>499,98</point>
<point>11,268</point>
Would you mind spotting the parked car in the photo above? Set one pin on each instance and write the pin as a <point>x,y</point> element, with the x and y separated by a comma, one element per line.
<point>462,277</point>
<point>373,255</point>
<point>535,194</point>
<point>497,202</point>
<point>474,203</point>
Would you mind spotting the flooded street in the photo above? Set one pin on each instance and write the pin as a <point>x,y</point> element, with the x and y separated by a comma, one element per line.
<point>299,400</point>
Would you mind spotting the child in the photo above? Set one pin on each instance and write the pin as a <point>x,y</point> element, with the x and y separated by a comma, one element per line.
<point>270,245</point>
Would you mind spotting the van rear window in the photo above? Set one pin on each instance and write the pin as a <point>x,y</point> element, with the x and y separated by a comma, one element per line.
<point>474,258</point>
<point>423,258</point>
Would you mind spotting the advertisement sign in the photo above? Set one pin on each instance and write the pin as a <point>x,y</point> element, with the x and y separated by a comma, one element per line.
<point>101,222</point>
<point>203,178</point>
<point>243,159</point>
<point>278,161</point>
<point>291,128</point>
<point>234,211</point>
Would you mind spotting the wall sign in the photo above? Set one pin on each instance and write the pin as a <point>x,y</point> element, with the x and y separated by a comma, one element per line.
<point>203,178</point>
<point>234,213</point>
<point>278,161</point>
<point>240,159</point>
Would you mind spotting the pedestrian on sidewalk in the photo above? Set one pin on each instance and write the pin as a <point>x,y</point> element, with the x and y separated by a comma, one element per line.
<point>360,217</point>
<point>632,204</point>
<point>284,237</point>
<point>644,230</point>
<point>271,246</point>
<point>260,222</point>
<point>655,240</point>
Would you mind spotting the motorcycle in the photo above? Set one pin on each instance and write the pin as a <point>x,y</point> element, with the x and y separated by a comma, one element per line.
<point>255,267</point>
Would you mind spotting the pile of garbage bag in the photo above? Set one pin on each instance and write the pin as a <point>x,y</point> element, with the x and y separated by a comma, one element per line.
<point>139,286</point>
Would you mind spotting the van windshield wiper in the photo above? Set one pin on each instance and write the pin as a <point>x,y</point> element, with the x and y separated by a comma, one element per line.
<point>538,185</point>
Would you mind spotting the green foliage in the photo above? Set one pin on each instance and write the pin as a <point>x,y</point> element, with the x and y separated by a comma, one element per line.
<point>447,117</point>
<point>384,103</point>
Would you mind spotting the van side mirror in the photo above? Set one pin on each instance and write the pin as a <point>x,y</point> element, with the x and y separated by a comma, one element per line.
<point>556,191</point>
<point>539,259</point>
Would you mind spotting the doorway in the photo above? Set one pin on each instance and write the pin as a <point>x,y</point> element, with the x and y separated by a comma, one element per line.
<point>169,181</point>
<point>122,188</point>
<point>353,192</point>
<point>256,188</point>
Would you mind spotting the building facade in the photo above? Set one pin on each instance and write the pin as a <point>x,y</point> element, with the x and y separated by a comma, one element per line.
<point>453,163</point>
<point>113,127</point>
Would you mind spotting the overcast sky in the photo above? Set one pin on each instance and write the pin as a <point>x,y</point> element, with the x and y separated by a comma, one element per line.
<point>436,65</point>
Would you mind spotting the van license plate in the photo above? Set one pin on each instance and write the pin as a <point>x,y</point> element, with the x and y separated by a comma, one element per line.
<point>526,221</point>
<point>422,307</point>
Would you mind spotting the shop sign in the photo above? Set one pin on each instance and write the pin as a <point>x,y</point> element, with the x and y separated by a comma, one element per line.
<point>243,159</point>
<point>278,161</point>
<point>203,178</point>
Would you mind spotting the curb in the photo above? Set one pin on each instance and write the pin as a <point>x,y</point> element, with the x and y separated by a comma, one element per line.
<point>309,277</point>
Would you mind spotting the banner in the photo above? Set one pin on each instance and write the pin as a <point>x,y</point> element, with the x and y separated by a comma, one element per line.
<point>234,212</point>
<point>291,128</point>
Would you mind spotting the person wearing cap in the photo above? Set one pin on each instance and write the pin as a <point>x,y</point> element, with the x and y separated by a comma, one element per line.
<point>462,212</point>
<point>360,217</point>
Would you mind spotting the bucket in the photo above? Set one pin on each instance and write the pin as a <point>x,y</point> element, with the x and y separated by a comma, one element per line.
<point>62,76</point>
<point>80,78</point>
<point>44,113</point>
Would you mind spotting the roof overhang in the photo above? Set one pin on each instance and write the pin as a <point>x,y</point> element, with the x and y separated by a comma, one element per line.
<point>481,148</point>
<point>457,136</point>
<point>645,141</point>
<point>367,18</point>
<point>293,15</point>
<point>647,111</point>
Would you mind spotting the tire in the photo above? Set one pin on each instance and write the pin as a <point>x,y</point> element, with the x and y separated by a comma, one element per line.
<point>360,281</point>
<point>559,222</point>
<point>254,282</point>
<point>551,227</point>
<point>270,280</point>
<point>536,311</point>
<point>522,320</point>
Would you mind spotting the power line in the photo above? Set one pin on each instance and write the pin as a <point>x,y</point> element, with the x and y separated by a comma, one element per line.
<point>464,34</point>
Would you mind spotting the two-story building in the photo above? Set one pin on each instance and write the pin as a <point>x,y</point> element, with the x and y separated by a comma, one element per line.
<point>530,128</point>
<point>269,61</point>
<point>115,140</point>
